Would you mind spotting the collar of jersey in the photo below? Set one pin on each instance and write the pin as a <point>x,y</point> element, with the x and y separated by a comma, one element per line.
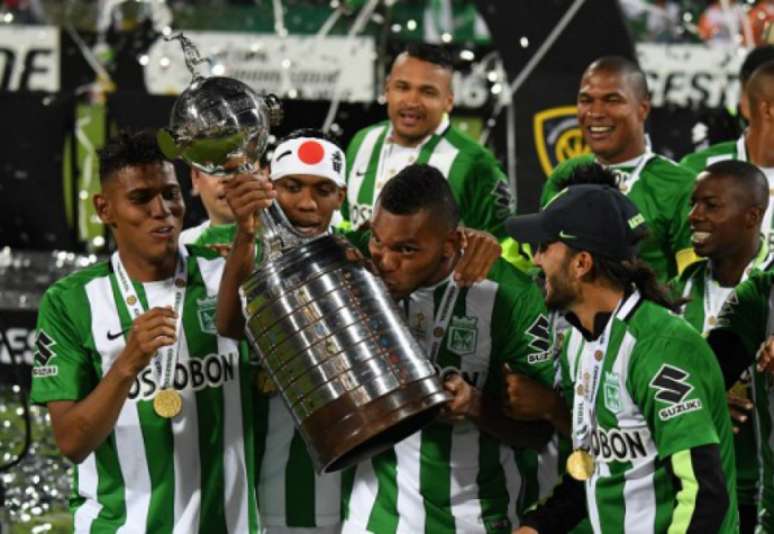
<point>600,320</point>
<point>427,291</point>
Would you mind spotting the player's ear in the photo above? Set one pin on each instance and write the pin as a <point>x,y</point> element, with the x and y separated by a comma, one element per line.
<point>103,208</point>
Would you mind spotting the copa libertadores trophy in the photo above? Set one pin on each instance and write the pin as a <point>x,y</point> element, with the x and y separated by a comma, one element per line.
<point>325,329</point>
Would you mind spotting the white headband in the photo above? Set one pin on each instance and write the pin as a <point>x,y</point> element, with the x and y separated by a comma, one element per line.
<point>309,155</point>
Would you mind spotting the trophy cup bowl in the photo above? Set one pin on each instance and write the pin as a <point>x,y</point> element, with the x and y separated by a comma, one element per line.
<point>219,125</point>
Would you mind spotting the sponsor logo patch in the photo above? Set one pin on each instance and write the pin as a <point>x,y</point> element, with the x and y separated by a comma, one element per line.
<point>540,342</point>
<point>672,389</point>
<point>618,445</point>
<point>44,352</point>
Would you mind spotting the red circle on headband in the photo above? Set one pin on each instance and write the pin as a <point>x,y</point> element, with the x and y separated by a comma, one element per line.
<point>311,152</point>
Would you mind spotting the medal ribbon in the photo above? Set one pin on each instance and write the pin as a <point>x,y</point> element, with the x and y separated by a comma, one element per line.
<point>584,402</point>
<point>630,180</point>
<point>165,360</point>
<point>442,318</point>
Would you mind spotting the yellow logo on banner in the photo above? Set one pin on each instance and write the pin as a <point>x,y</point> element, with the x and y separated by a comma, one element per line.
<point>557,136</point>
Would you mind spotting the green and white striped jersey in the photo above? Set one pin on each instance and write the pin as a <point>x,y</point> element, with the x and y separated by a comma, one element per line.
<point>192,473</point>
<point>701,312</point>
<point>456,479</point>
<point>289,491</point>
<point>206,234</point>
<point>662,192</point>
<point>748,313</point>
<point>700,160</point>
<point>660,392</point>
<point>479,186</point>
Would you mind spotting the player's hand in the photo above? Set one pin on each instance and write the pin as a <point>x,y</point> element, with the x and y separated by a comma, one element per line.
<point>150,331</point>
<point>526,399</point>
<point>479,252</point>
<point>246,194</point>
<point>765,361</point>
<point>465,400</point>
<point>739,408</point>
<point>221,249</point>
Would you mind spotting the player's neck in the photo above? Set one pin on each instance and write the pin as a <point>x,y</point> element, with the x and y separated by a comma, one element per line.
<point>217,220</point>
<point>145,270</point>
<point>595,299</point>
<point>727,270</point>
<point>406,142</point>
<point>444,270</point>
<point>633,149</point>
<point>760,149</point>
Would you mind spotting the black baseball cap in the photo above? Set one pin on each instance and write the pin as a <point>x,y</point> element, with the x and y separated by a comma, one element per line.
<point>596,218</point>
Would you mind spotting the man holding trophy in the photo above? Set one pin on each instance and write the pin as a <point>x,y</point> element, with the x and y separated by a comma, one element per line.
<point>149,402</point>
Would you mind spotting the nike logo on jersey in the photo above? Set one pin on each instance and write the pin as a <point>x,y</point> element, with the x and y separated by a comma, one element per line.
<point>112,337</point>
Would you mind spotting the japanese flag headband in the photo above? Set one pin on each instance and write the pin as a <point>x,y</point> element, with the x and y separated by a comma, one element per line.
<point>308,155</point>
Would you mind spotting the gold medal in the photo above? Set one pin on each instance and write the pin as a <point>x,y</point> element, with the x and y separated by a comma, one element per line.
<point>712,320</point>
<point>179,282</point>
<point>580,465</point>
<point>438,331</point>
<point>131,300</point>
<point>167,403</point>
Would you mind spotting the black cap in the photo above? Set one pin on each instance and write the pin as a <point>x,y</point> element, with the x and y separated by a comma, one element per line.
<point>596,218</point>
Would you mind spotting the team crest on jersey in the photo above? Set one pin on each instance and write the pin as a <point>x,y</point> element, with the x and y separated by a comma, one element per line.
<point>44,352</point>
<point>206,313</point>
<point>672,388</point>
<point>463,335</point>
<point>612,393</point>
<point>557,136</point>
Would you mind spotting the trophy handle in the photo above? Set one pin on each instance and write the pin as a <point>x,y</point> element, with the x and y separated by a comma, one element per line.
<point>277,233</point>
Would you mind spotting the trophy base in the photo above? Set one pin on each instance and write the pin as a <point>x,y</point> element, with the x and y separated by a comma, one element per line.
<point>345,434</point>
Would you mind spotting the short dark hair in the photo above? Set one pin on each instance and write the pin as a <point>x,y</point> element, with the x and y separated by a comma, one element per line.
<point>420,187</point>
<point>757,57</point>
<point>759,86</point>
<point>432,53</point>
<point>591,173</point>
<point>746,175</point>
<point>628,69</point>
<point>128,149</point>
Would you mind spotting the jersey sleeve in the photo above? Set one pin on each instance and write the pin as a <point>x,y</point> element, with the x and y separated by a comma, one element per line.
<point>486,200</point>
<point>525,331</point>
<point>746,311</point>
<point>61,368</point>
<point>676,383</point>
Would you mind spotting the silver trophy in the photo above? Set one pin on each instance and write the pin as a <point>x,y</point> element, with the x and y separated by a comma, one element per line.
<point>326,332</point>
